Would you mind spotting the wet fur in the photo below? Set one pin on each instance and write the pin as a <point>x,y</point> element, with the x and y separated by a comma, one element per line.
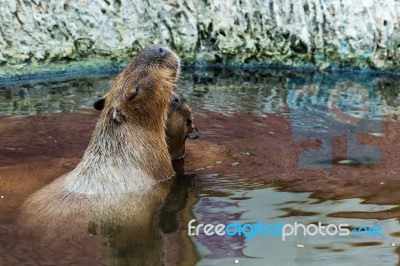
<point>125,174</point>
<point>136,147</point>
<point>177,127</point>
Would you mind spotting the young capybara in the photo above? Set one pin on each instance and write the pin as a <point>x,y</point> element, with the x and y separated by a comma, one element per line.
<point>179,126</point>
<point>127,152</point>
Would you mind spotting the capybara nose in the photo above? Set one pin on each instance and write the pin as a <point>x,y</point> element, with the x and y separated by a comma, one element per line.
<point>162,52</point>
<point>193,134</point>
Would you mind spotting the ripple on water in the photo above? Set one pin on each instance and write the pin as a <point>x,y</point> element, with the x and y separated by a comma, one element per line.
<point>271,206</point>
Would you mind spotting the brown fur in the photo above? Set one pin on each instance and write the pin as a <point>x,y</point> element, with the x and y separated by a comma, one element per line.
<point>179,126</point>
<point>129,138</point>
<point>125,173</point>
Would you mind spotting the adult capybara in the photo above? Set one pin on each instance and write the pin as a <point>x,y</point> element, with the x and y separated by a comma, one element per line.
<point>179,126</point>
<point>127,152</point>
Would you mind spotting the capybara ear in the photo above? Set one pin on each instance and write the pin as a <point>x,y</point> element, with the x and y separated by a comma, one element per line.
<point>99,104</point>
<point>193,134</point>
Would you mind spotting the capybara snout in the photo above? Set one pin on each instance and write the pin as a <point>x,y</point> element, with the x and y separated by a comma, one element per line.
<point>156,55</point>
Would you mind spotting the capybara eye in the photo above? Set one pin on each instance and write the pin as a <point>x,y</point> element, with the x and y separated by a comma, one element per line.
<point>135,93</point>
<point>162,52</point>
<point>189,122</point>
<point>176,100</point>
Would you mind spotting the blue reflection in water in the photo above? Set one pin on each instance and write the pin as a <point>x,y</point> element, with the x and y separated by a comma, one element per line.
<point>323,107</point>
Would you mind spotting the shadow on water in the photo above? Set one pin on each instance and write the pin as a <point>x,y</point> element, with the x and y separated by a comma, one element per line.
<point>274,147</point>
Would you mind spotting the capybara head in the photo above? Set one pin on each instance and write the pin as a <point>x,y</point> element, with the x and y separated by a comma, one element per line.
<point>179,126</point>
<point>141,92</point>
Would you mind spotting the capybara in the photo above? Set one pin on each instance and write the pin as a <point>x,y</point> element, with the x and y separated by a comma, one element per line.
<point>179,126</point>
<point>127,158</point>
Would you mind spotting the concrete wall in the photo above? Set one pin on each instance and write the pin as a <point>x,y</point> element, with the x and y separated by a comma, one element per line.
<point>355,33</point>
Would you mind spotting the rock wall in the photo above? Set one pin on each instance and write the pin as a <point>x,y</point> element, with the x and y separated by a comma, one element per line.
<point>324,33</point>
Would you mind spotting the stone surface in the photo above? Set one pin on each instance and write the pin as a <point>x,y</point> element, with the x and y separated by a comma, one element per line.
<point>328,33</point>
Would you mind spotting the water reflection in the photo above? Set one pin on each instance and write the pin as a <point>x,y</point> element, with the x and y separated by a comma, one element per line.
<point>44,97</point>
<point>272,206</point>
<point>332,106</point>
<point>257,91</point>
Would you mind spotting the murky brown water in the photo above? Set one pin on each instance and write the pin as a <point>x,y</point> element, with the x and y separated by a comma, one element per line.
<point>245,167</point>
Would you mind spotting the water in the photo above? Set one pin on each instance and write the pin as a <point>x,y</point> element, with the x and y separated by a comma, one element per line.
<point>259,158</point>
<point>275,206</point>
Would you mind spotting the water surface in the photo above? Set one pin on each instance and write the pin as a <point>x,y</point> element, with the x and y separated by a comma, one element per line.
<point>254,127</point>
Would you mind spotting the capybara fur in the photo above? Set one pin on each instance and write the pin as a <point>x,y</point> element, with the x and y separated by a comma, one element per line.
<point>179,126</point>
<point>126,172</point>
